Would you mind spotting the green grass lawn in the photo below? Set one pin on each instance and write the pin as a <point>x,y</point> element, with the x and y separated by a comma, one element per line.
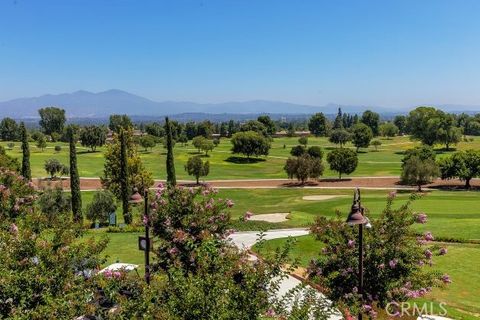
<point>461,263</point>
<point>371,163</point>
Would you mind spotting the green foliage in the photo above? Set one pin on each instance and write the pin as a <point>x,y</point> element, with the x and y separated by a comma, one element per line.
<point>344,161</point>
<point>17,195</point>
<point>183,139</point>
<point>376,144</point>
<point>361,135</point>
<point>268,123</point>
<point>203,144</point>
<point>8,162</point>
<point>318,125</point>
<point>400,122</point>
<point>52,120</point>
<point>9,130</point>
<point>58,148</point>
<point>25,170</point>
<point>54,202</point>
<point>103,203</point>
<point>250,143</point>
<point>464,165</point>
<point>147,142</point>
<point>41,142</point>
<point>171,176</point>
<point>303,140</point>
<point>389,130</point>
<point>74,177</point>
<point>298,151</point>
<point>304,167</point>
<point>155,129</point>
<point>371,119</point>
<point>120,121</point>
<point>423,152</point>
<point>340,136</point>
<point>54,167</point>
<point>315,152</point>
<point>394,259</point>
<point>254,125</point>
<point>115,171</point>
<point>93,137</point>
<point>197,168</point>
<point>418,171</point>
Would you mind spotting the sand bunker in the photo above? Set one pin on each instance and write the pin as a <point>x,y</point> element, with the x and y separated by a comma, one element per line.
<point>270,217</point>
<point>321,197</point>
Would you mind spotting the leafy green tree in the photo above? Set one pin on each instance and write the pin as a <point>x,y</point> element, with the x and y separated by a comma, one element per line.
<point>102,205</point>
<point>361,135</point>
<point>254,125</point>
<point>58,148</point>
<point>401,122</point>
<point>338,123</point>
<point>8,162</point>
<point>197,142</point>
<point>304,167</point>
<point>447,132</point>
<point>271,129</point>
<point>423,152</point>
<point>318,125</point>
<point>417,171</point>
<point>93,137</point>
<point>155,129</point>
<point>197,168</point>
<point>340,136</point>
<point>371,119</point>
<point>52,120</point>
<point>41,142</point>
<point>376,144</point>
<point>171,177</point>
<point>464,165</point>
<point>114,171</point>
<point>54,202</point>
<point>119,121</point>
<point>342,160</point>
<point>147,142</point>
<point>250,143</point>
<point>297,151</point>
<point>74,177</point>
<point>303,141</point>
<point>422,124</point>
<point>54,167</point>
<point>389,130</point>
<point>9,130</point>
<point>25,171</point>
<point>315,152</point>
<point>183,139</point>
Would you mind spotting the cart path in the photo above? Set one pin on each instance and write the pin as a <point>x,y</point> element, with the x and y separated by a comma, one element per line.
<point>381,183</point>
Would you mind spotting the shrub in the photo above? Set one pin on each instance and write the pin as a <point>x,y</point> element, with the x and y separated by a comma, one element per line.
<point>342,161</point>
<point>297,151</point>
<point>303,167</point>
<point>197,168</point>
<point>394,259</point>
<point>250,143</point>
<point>53,202</point>
<point>58,148</point>
<point>54,167</point>
<point>103,203</point>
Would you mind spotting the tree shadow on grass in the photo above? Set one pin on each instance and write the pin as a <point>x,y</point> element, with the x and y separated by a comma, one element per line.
<point>242,160</point>
<point>195,152</point>
<point>88,152</point>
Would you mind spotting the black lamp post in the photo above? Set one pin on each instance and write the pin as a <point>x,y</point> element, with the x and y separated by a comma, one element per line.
<point>144,242</point>
<point>356,217</point>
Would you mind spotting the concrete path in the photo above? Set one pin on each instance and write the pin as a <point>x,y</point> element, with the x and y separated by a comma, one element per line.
<point>246,240</point>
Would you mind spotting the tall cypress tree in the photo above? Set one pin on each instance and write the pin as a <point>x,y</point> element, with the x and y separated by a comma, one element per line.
<point>125,189</point>
<point>171,179</point>
<point>74,177</point>
<point>26,171</point>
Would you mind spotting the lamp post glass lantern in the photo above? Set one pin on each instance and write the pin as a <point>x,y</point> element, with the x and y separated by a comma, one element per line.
<point>356,217</point>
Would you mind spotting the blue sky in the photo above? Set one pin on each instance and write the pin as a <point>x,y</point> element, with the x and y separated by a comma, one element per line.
<point>390,53</point>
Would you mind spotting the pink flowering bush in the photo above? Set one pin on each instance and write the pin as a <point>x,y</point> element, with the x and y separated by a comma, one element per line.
<point>16,195</point>
<point>182,219</point>
<point>395,259</point>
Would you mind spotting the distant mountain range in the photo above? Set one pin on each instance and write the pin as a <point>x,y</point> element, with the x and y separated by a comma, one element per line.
<point>84,104</point>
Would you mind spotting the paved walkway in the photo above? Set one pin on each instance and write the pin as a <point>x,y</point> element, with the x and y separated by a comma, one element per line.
<point>246,240</point>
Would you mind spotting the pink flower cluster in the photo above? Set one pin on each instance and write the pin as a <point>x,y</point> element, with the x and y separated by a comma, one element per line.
<point>421,218</point>
<point>446,278</point>
<point>443,251</point>
<point>112,274</point>
<point>393,263</point>
<point>14,229</point>
<point>351,243</point>
<point>428,236</point>
<point>369,310</point>
<point>247,215</point>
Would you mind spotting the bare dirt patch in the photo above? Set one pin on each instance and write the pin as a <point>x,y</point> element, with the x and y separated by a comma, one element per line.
<point>270,217</point>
